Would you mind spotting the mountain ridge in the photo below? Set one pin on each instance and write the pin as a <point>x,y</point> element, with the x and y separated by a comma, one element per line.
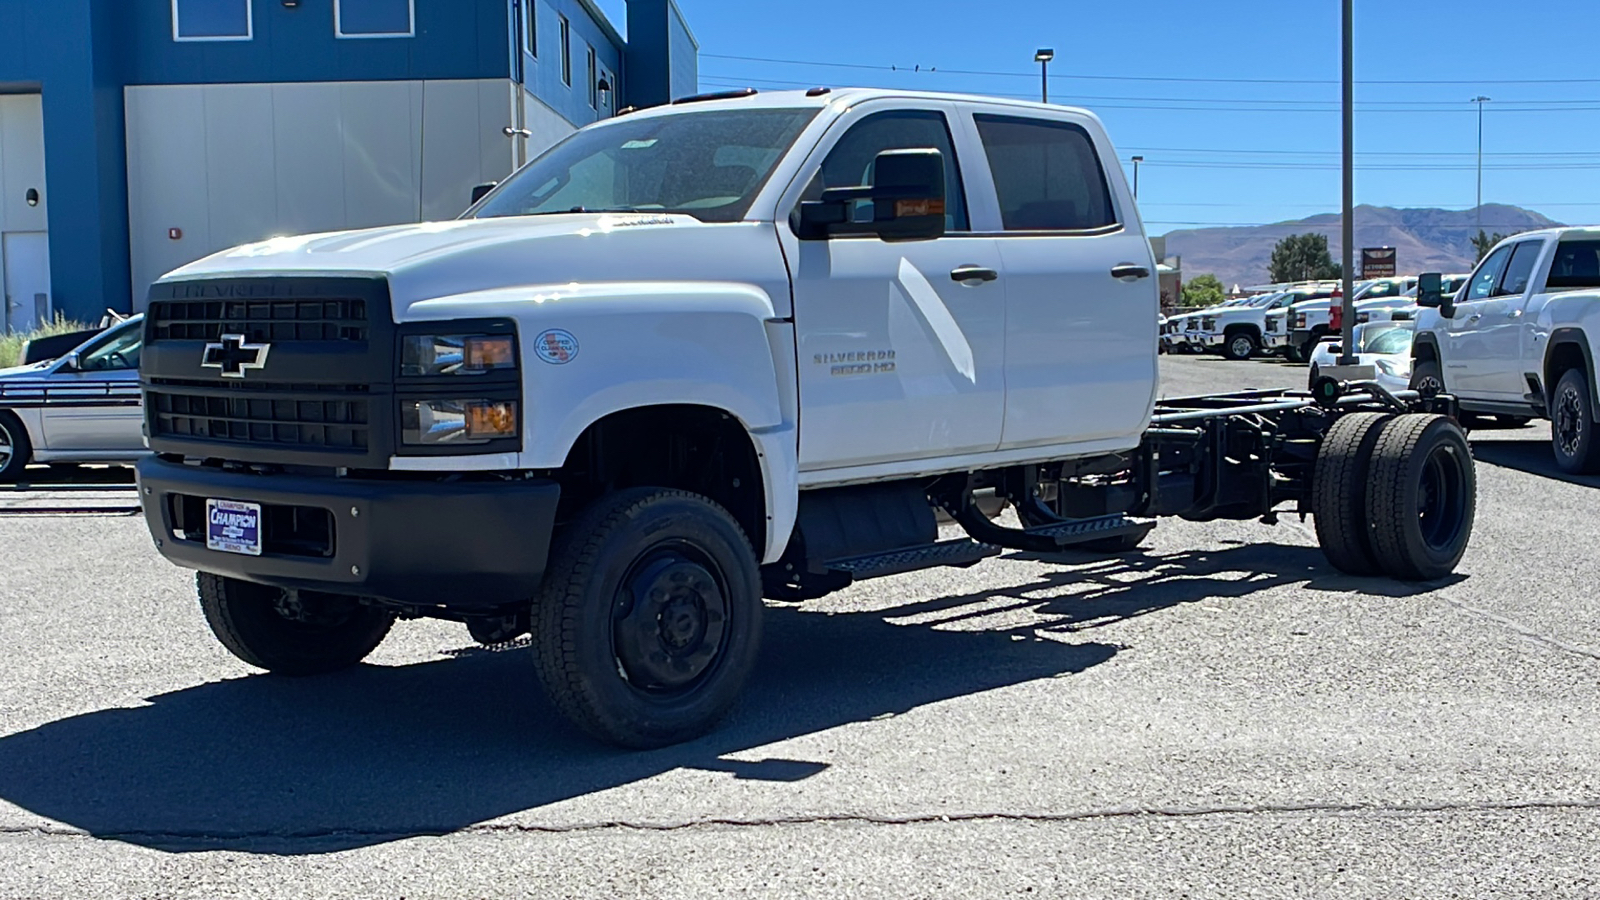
<point>1425,239</point>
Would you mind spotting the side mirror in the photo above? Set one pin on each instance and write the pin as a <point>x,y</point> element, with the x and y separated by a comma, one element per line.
<point>1336,349</point>
<point>1430,293</point>
<point>908,201</point>
<point>480,191</point>
<point>71,363</point>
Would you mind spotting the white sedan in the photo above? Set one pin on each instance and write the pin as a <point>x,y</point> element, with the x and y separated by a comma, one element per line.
<point>83,407</point>
<point>1386,346</point>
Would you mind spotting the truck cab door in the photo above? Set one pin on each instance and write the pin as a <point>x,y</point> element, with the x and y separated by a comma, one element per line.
<point>1081,289</point>
<point>1490,346</point>
<point>1462,348</point>
<point>900,343</point>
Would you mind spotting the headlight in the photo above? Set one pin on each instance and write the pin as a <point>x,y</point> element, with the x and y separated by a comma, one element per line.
<point>429,355</point>
<point>433,423</point>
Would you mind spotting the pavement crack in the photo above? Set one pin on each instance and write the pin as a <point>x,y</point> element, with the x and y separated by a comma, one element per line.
<point>1523,631</point>
<point>223,839</point>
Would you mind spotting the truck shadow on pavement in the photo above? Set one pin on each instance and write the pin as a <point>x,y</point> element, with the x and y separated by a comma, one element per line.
<point>1531,456</point>
<point>269,765</point>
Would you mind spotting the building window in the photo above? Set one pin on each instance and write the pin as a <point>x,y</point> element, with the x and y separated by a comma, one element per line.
<point>566,52</point>
<point>594,81</point>
<point>374,18</point>
<point>530,27</point>
<point>212,20</point>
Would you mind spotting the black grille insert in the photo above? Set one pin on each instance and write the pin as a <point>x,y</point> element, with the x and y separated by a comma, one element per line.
<point>260,320</point>
<point>321,417</point>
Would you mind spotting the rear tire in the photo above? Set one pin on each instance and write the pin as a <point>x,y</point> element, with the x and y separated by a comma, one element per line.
<point>1572,429</point>
<point>306,634</point>
<point>15,448</point>
<point>1338,492</point>
<point>1421,496</point>
<point>649,621</point>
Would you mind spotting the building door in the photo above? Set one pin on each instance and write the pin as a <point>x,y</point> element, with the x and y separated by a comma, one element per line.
<point>26,258</point>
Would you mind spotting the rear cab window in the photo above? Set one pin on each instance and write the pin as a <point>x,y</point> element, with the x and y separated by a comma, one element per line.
<point>1576,266</point>
<point>1047,174</point>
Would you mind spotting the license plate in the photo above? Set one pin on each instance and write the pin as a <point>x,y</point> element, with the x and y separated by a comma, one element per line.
<point>233,527</point>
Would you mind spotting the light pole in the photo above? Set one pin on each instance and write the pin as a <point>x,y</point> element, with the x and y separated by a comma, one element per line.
<point>1136,161</point>
<point>1480,100</point>
<point>1347,356</point>
<point>1043,58</point>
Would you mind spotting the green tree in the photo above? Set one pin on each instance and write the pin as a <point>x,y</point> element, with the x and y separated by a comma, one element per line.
<point>1483,243</point>
<point>1303,257</point>
<point>1203,290</point>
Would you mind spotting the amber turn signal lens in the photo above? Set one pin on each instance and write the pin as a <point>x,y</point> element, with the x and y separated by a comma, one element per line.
<point>492,420</point>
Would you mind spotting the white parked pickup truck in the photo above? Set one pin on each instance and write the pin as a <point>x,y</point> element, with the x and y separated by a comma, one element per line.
<point>1236,331</point>
<point>737,347</point>
<point>1517,342</point>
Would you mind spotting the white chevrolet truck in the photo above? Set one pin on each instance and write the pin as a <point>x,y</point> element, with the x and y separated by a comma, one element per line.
<point>741,346</point>
<point>1517,341</point>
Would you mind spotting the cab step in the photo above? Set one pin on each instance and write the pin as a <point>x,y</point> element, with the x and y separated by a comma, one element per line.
<point>959,553</point>
<point>1053,536</point>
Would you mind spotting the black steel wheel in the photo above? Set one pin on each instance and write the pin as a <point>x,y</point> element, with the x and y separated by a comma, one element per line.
<point>291,632</point>
<point>1572,424</point>
<point>1338,492</point>
<point>1421,497</point>
<point>15,448</point>
<point>649,620</point>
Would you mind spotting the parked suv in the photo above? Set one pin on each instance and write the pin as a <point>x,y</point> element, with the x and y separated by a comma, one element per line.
<point>1518,340</point>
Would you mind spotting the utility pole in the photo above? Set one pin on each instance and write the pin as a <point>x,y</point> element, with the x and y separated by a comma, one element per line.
<point>1480,100</point>
<point>1347,356</point>
<point>1043,58</point>
<point>1136,161</point>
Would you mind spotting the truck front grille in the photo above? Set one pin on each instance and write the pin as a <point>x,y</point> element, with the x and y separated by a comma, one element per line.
<point>334,319</point>
<point>305,417</point>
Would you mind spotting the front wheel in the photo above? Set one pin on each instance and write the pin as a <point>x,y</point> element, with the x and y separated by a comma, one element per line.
<point>291,632</point>
<point>1239,345</point>
<point>1572,425</point>
<point>649,620</point>
<point>1294,353</point>
<point>15,448</point>
<point>1427,378</point>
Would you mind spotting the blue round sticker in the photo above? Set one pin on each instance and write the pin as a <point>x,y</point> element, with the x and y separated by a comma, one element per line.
<point>556,347</point>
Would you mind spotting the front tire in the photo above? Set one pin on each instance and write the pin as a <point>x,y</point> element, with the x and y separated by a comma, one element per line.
<point>1572,434</point>
<point>649,621</point>
<point>1239,345</point>
<point>1427,378</point>
<point>290,633</point>
<point>15,448</point>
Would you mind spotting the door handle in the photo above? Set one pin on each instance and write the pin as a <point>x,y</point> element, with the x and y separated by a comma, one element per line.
<point>973,273</point>
<point>1129,270</point>
<point>1474,317</point>
<point>1514,314</point>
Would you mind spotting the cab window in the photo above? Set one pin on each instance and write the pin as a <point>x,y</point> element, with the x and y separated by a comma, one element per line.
<point>1047,175</point>
<point>1488,275</point>
<point>1575,267</point>
<point>850,163</point>
<point>1519,269</point>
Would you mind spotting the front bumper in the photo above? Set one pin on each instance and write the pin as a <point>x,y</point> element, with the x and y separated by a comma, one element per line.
<point>1204,340</point>
<point>460,545</point>
<point>1273,340</point>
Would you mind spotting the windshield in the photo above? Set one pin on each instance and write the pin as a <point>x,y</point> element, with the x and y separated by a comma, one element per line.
<point>1263,301</point>
<point>1388,340</point>
<point>709,165</point>
<point>118,348</point>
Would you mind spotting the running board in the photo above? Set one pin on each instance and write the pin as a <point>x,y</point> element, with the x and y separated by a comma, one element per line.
<point>1055,536</point>
<point>910,559</point>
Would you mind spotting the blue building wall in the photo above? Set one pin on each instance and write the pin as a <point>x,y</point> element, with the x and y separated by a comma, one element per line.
<point>71,51</point>
<point>80,54</point>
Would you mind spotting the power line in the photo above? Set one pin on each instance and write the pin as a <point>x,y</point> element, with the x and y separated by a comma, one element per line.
<point>1141,78</point>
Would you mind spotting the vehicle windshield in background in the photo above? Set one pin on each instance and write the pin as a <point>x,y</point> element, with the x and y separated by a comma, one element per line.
<point>709,165</point>
<point>1393,339</point>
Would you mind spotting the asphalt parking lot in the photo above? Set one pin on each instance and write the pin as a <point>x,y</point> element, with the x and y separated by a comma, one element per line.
<point>1218,715</point>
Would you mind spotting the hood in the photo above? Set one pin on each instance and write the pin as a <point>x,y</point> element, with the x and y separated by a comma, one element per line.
<point>442,259</point>
<point>37,368</point>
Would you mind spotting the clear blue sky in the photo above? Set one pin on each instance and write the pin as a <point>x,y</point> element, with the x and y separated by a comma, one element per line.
<point>1233,103</point>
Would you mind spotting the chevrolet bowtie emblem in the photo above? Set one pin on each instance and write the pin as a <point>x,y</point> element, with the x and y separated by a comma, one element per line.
<point>234,357</point>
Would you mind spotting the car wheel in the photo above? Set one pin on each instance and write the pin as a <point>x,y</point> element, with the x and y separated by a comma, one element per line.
<point>15,448</point>
<point>649,620</point>
<point>1239,345</point>
<point>1572,425</point>
<point>1421,497</point>
<point>291,632</point>
<point>1316,373</point>
<point>1427,378</point>
<point>1294,354</point>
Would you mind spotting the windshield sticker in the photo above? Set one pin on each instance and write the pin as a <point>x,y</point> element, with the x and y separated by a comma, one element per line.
<point>556,347</point>
<point>640,144</point>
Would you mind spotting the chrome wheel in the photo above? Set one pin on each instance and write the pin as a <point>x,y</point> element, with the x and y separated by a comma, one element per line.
<point>1567,422</point>
<point>6,446</point>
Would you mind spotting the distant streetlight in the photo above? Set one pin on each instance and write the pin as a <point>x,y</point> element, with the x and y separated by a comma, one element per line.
<point>1043,58</point>
<point>1480,100</point>
<point>1136,161</point>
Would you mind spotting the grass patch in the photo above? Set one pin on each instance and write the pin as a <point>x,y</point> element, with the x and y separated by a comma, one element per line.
<point>11,344</point>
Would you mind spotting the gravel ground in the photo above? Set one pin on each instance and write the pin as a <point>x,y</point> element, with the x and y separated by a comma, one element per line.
<point>1218,715</point>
